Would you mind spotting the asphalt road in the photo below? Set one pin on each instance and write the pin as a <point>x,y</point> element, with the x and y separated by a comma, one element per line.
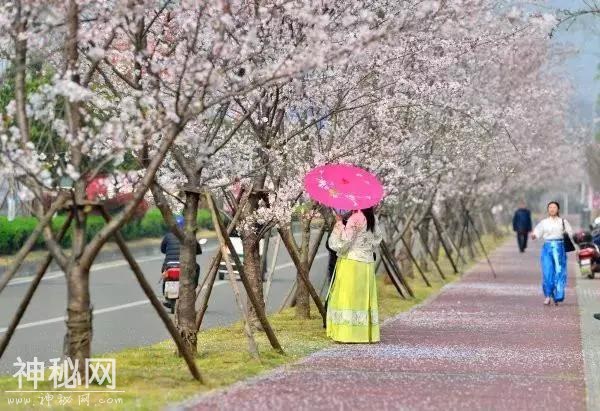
<point>123,317</point>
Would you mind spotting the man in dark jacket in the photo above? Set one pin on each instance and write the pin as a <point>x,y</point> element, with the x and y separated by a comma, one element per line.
<point>522,225</point>
<point>171,248</point>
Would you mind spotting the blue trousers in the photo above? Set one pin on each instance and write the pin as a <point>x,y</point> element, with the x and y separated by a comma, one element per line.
<point>554,269</point>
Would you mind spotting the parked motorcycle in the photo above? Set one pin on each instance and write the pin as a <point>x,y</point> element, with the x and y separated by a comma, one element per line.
<point>171,282</point>
<point>588,256</point>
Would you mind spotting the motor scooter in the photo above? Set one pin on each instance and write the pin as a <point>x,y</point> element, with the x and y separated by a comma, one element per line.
<point>588,255</point>
<point>171,282</point>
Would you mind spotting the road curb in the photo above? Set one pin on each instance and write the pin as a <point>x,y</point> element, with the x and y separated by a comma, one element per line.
<point>147,247</point>
<point>29,267</point>
<point>588,296</point>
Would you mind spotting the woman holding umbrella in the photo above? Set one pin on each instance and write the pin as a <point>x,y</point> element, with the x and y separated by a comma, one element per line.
<point>352,314</point>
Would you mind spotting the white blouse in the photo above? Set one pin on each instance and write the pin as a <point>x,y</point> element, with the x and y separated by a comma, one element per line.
<point>354,241</point>
<point>551,228</point>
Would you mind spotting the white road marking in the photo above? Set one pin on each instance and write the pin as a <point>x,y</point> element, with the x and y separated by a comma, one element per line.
<point>96,267</point>
<point>131,304</point>
<point>62,318</point>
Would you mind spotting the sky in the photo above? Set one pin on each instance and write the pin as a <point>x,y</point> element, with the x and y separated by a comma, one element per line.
<point>584,66</point>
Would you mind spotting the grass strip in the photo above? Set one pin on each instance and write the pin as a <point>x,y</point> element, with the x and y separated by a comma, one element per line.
<point>154,376</point>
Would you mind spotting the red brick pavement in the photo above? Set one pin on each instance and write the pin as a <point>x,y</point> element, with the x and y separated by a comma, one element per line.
<point>482,344</point>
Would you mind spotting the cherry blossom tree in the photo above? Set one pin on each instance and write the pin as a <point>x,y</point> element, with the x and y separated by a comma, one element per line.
<point>431,105</point>
<point>294,38</point>
<point>451,103</point>
<point>125,78</point>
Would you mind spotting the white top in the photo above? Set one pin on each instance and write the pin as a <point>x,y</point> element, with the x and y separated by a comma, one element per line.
<point>354,241</point>
<point>551,228</point>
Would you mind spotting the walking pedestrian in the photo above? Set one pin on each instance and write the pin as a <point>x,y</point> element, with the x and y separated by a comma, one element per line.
<point>554,257</point>
<point>522,225</point>
<point>352,313</point>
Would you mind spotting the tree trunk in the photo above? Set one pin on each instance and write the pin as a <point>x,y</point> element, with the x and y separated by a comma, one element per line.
<point>435,244</point>
<point>252,268</point>
<point>492,223</point>
<point>425,236</point>
<point>185,317</point>
<point>302,294</point>
<point>20,67</point>
<point>251,246</point>
<point>78,339</point>
<point>484,228</point>
<point>404,259</point>
<point>469,241</point>
<point>290,244</point>
<point>458,231</point>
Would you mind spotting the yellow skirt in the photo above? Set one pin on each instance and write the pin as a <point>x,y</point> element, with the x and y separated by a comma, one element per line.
<point>352,315</point>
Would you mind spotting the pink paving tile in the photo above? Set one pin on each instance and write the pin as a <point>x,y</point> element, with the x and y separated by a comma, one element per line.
<point>482,344</point>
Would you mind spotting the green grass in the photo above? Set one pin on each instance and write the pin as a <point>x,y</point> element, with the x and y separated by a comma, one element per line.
<point>154,376</point>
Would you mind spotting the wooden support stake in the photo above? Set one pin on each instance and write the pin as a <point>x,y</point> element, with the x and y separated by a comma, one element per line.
<point>258,307</point>
<point>214,267</point>
<point>462,236</point>
<point>315,247</point>
<point>271,271</point>
<point>30,242</point>
<point>395,268</point>
<point>470,242</point>
<point>481,244</point>
<point>415,262</point>
<point>472,250</point>
<point>211,276</point>
<point>304,276</point>
<point>388,269</point>
<point>428,250</point>
<point>252,347</point>
<point>452,244</point>
<point>290,299</point>
<point>147,288</point>
<point>265,253</point>
<point>37,278</point>
<point>287,301</point>
<point>204,280</point>
<point>440,233</point>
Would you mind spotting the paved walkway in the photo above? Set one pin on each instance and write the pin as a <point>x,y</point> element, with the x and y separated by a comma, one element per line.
<point>588,296</point>
<point>482,344</point>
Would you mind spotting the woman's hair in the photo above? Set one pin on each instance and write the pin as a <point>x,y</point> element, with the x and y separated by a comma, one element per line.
<point>370,216</point>
<point>346,216</point>
<point>556,204</point>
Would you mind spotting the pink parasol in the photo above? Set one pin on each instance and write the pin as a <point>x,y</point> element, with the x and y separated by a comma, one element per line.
<point>343,186</point>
